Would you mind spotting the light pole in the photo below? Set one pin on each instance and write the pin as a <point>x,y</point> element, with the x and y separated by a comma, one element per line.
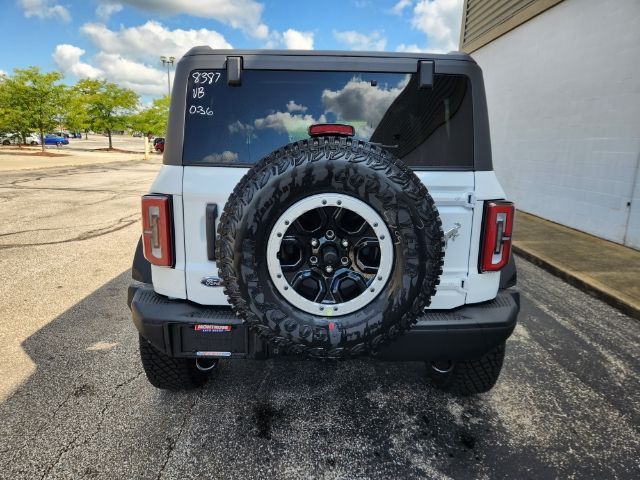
<point>168,61</point>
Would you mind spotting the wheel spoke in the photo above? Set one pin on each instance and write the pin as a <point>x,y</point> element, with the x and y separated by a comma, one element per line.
<point>330,255</point>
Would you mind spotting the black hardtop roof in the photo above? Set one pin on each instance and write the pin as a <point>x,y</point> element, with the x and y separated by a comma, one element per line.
<point>207,50</point>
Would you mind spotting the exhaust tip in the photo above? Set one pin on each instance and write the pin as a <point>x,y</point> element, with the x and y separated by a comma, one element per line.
<point>206,364</point>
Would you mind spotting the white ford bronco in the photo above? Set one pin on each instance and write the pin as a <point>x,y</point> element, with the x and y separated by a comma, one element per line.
<point>329,205</point>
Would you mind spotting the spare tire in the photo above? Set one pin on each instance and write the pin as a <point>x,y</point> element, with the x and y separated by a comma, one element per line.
<point>330,247</point>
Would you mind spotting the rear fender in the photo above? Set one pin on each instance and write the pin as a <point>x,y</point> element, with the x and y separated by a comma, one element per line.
<point>141,268</point>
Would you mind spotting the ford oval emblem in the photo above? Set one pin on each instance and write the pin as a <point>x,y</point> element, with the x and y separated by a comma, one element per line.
<point>211,282</point>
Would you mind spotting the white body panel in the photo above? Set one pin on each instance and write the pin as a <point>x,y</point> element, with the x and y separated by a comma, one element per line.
<point>204,185</point>
<point>459,197</point>
<point>482,286</point>
<point>170,281</point>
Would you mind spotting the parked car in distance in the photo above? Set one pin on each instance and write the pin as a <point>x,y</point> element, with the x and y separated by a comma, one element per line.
<point>158,144</point>
<point>76,135</point>
<point>33,139</point>
<point>137,134</point>
<point>52,139</point>
<point>16,139</point>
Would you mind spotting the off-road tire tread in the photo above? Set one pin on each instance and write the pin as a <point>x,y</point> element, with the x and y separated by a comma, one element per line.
<point>169,373</point>
<point>470,377</point>
<point>296,155</point>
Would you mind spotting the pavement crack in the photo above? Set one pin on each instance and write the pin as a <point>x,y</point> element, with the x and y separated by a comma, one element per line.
<point>116,390</point>
<point>63,171</point>
<point>18,232</point>
<point>71,444</point>
<point>119,224</point>
<point>174,441</point>
<point>68,189</point>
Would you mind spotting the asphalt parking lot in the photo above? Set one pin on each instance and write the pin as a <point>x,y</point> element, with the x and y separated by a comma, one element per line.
<point>74,402</point>
<point>97,141</point>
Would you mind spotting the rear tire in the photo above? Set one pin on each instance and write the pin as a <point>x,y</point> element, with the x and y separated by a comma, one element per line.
<point>468,377</point>
<point>169,373</point>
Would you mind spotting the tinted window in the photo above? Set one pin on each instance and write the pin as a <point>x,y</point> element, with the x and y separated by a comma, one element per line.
<point>427,127</point>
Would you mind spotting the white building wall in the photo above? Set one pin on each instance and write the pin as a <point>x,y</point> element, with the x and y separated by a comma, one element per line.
<point>564,104</point>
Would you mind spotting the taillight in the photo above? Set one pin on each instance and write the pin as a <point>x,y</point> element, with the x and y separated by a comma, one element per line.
<point>496,241</point>
<point>157,230</point>
<point>331,129</point>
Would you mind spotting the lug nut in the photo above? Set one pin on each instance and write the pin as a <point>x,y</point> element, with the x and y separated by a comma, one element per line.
<point>313,260</point>
<point>330,234</point>
<point>314,242</point>
<point>329,269</point>
<point>344,261</point>
<point>345,243</point>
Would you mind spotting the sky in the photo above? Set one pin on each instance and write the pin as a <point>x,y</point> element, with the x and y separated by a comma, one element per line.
<point>122,40</point>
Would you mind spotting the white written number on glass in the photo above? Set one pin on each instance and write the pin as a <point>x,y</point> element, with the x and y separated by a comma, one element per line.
<point>205,77</point>
<point>200,110</point>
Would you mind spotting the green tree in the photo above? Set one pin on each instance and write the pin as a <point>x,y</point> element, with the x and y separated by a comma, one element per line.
<point>31,100</point>
<point>108,105</point>
<point>75,115</point>
<point>152,120</point>
<point>5,126</point>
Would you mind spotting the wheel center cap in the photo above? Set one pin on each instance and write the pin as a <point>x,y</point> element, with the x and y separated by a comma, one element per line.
<point>330,255</point>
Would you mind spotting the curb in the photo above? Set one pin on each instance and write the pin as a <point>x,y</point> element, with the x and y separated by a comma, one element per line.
<point>573,279</point>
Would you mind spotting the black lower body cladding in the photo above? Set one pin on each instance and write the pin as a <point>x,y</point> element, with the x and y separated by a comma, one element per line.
<point>330,165</point>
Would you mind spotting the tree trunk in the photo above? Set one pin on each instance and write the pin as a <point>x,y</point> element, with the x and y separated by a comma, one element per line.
<point>86,135</point>
<point>42,139</point>
<point>110,144</point>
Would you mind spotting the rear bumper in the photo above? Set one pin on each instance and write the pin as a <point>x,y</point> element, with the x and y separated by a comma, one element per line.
<point>464,333</point>
<point>185,329</point>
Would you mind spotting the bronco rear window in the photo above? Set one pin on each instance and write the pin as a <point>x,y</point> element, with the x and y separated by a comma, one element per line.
<point>238,125</point>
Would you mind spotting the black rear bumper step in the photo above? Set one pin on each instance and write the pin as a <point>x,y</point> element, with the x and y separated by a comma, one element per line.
<point>185,329</point>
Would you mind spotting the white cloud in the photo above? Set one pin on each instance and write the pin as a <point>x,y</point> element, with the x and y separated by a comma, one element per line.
<point>290,39</point>
<point>440,20</point>
<point>361,103</point>
<point>399,7</point>
<point>67,58</point>
<point>2,72</point>
<point>124,55</point>
<point>44,9</point>
<point>284,122</point>
<point>294,107</point>
<point>409,48</point>
<point>112,67</point>
<point>238,126</point>
<point>361,41</point>
<point>296,40</point>
<point>289,122</point>
<point>134,42</point>
<point>105,10</point>
<point>245,15</point>
<point>130,74</point>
